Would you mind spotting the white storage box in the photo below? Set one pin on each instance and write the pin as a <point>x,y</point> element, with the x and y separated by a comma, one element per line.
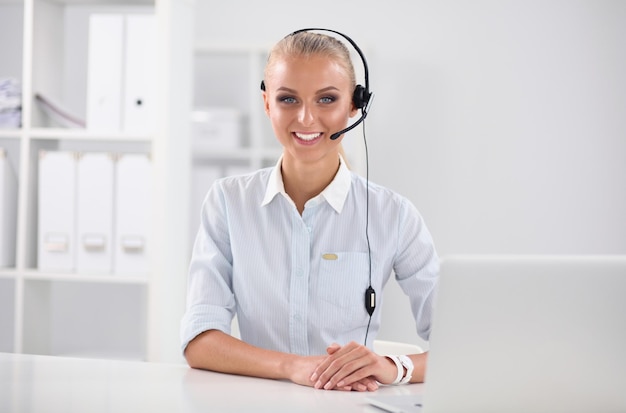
<point>95,213</point>
<point>215,128</point>
<point>57,211</point>
<point>133,197</point>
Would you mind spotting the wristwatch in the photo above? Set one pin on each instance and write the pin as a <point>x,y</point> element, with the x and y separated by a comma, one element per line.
<point>408,365</point>
<point>402,362</point>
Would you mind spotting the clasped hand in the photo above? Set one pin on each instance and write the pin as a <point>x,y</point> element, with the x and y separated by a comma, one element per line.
<point>352,367</point>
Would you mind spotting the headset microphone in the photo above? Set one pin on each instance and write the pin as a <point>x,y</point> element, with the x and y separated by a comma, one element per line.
<point>364,112</point>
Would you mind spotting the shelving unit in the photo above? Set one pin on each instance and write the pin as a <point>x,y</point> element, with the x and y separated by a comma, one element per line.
<point>230,77</point>
<point>87,314</point>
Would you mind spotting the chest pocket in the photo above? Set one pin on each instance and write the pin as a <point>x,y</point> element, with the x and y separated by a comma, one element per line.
<point>344,276</point>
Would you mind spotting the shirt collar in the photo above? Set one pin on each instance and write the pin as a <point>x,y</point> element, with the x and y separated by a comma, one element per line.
<point>335,193</point>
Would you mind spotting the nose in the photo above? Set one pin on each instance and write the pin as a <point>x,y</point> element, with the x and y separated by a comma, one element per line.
<point>306,115</point>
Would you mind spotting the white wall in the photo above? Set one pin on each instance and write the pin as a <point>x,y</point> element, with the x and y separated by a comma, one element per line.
<point>503,121</point>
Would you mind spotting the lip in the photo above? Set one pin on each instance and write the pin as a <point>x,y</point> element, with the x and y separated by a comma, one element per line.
<point>305,141</point>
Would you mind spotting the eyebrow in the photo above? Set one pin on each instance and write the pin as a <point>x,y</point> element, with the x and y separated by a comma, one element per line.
<point>326,89</point>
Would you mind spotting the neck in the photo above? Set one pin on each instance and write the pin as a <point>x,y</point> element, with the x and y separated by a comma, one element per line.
<point>304,181</point>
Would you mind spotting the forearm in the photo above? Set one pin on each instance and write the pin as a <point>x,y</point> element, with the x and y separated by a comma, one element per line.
<point>419,367</point>
<point>217,351</point>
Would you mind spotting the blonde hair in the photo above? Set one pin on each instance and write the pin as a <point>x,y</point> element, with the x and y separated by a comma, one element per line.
<point>307,44</point>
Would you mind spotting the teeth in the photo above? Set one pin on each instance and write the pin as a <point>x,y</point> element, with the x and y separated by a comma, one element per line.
<point>307,136</point>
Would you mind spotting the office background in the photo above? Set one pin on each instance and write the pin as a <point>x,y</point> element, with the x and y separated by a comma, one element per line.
<point>503,121</point>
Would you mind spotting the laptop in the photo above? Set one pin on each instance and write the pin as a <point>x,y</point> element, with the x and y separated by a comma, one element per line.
<point>525,334</point>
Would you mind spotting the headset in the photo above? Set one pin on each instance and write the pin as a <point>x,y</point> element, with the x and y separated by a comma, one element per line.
<point>361,97</point>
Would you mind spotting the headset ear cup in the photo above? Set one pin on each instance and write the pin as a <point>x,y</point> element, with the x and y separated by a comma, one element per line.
<point>359,97</point>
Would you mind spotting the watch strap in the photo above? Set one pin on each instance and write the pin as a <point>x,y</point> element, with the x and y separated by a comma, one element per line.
<point>396,361</point>
<point>407,364</point>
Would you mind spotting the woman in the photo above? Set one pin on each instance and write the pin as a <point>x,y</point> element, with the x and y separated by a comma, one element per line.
<point>286,248</point>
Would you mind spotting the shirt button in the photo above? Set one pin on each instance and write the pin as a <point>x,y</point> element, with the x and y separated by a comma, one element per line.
<point>299,272</point>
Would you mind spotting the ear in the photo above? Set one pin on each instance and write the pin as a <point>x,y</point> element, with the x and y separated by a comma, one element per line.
<point>353,110</point>
<point>266,103</point>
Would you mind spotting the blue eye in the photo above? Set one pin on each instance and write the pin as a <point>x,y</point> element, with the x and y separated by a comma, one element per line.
<point>287,99</point>
<point>327,99</point>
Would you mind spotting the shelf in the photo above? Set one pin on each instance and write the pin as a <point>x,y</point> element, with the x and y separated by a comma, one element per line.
<point>86,135</point>
<point>85,278</point>
<point>236,154</point>
<point>10,133</point>
<point>101,2</point>
<point>8,273</point>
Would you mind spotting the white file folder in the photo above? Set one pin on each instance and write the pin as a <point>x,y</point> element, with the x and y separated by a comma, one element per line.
<point>95,213</point>
<point>140,74</point>
<point>56,211</point>
<point>105,72</point>
<point>8,211</point>
<point>133,196</point>
<point>202,177</point>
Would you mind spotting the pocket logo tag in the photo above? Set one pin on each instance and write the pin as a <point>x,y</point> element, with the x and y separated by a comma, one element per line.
<point>330,257</point>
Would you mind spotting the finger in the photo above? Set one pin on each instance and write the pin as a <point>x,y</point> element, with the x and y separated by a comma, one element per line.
<point>348,369</point>
<point>333,348</point>
<point>350,372</point>
<point>367,384</point>
<point>333,351</point>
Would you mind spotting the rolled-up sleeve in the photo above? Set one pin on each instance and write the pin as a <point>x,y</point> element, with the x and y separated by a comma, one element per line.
<point>210,298</point>
<point>417,267</point>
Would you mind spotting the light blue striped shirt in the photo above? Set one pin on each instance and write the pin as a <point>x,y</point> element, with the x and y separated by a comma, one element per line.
<point>297,283</point>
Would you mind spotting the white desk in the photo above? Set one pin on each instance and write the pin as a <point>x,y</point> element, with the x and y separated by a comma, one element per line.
<point>59,384</point>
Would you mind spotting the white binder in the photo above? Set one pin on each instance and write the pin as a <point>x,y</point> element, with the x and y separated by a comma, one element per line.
<point>140,74</point>
<point>8,211</point>
<point>56,211</point>
<point>95,213</point>
<point>133,196</point>
<point>105,72</point>
<point>122,73</point>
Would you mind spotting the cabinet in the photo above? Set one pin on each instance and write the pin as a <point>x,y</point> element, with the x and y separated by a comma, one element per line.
<point>44,45</point>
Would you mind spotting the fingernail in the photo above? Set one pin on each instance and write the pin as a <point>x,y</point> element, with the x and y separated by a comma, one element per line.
<point>327,386</point>
<point>318,384</point>
<point>340,384</point>
<point>313,376</point>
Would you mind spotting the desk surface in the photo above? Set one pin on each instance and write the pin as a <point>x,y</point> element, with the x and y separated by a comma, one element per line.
<point>37,384</point>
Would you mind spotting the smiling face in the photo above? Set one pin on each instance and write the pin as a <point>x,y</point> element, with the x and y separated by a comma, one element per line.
<point>308,98</point>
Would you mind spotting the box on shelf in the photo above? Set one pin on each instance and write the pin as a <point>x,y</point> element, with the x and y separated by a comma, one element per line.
<point>216,128</point>
<point>57,211</point>
<point>132,214</point>
<point>95,213</point>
